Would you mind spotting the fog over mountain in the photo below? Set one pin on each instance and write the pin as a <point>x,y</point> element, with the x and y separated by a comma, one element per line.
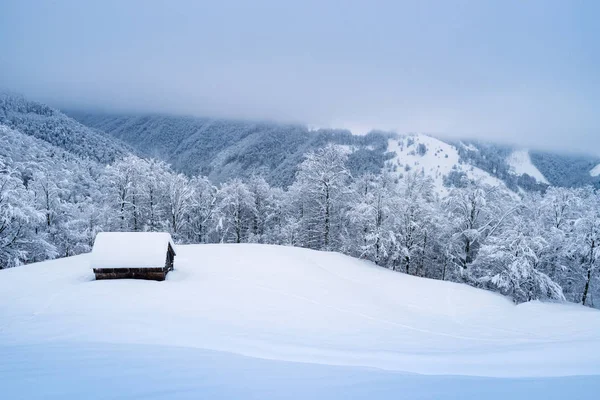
<point>511,72</point>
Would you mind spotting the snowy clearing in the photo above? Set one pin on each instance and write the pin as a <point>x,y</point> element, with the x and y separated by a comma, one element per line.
<point>520,163</point>
<point>285,305</point>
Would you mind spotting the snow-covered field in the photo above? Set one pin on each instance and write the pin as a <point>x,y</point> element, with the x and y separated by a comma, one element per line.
<point>257,321</point>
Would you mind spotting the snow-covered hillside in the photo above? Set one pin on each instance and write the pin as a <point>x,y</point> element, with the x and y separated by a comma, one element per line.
<point>301,305</point>
<point>520,163</point>
<point>232,320</point>
<point>419,152</point>
<point>55,128</point>
<point>224,149</point>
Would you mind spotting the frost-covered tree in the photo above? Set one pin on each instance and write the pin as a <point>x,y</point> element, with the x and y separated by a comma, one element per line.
<point>119,188</point>
<point>294,229</point>
<point>369,233</point>
<point>265,208</point>
<point>46,193</point>
<point>509,263</point>
<point>412,223</point>
<point>178,204</point>
<point>584,247</point>
<point>560,205</point>
<point>475,212</point>
<point>235,211</point>
<point>202,209</point>
<point>19,240</point>
<point>152,176</point>
<point>323,177</point>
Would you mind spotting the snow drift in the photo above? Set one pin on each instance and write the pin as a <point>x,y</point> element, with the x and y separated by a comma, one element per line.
<point>295,304</point>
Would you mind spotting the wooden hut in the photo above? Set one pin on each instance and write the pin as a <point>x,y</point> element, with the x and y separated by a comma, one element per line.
<point>133,255</point>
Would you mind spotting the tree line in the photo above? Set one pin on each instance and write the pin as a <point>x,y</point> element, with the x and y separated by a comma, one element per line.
<point>528,246</point>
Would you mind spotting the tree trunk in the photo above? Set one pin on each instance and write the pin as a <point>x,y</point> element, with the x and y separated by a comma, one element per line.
<point>238,225</point>
<point>152,228</point>
<point>421,264</point>
<point>589,274</point>
<point>47,210</point>
<point>468,258</point>
<point>327,217</point>
<point>135,216</point>
<point>123,194</point>
<point>444,268</point>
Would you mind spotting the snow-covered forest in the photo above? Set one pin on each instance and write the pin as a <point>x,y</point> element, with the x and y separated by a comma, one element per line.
<point>527,246</point>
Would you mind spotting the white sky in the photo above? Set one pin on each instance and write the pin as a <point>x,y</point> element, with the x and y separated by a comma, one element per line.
<point>512,71</point>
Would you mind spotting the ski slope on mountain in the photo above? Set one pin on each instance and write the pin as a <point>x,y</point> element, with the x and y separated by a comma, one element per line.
<point>520,163</point>
<point>438,160</point>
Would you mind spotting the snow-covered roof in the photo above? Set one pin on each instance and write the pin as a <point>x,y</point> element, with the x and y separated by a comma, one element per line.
<point>130,249</point>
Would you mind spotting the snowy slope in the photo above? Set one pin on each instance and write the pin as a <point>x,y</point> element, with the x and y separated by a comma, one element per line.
<point>438,161</point>
<point>100,371</point>
<point>520,163</point>
<point>595,171</point>
<point>292,304</point>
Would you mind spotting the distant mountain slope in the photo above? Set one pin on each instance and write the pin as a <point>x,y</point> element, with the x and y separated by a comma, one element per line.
<point>520,163</point>
<point>556,169</point>
<point>435,158</point>
<point>566,170</point>
<point>52,126</point>
<point>27,153</point>
<point>222,149</point>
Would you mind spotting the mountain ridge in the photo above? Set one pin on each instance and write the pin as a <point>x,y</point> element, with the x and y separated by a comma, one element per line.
<point>238,148</point>
<point>221,149</point>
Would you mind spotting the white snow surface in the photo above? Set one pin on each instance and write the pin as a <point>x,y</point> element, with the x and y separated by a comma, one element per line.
<point>295,304</point>
<point>130,250</point>
<point>439,160</point>
<point>100,371</point>
<point>271,322</point>
<point>595,171</point>
<point>520,163</point>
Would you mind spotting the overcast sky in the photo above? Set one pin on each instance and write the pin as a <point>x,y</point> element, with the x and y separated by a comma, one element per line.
<point>514,71</point>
